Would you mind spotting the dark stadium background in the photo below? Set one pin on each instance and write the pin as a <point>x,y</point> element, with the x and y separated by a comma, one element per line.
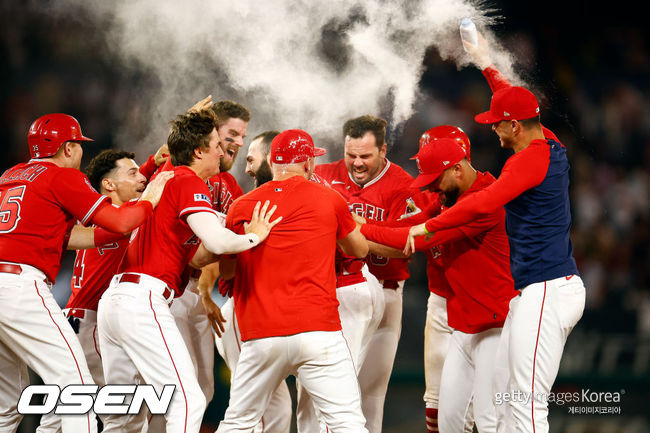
<point>591,65</point>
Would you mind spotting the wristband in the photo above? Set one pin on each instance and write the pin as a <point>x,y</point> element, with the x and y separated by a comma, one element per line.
<point>253,239</point>
<point>426,232</point>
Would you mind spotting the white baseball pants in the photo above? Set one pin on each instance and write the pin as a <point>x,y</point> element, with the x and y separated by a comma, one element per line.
<point>358,306</point>
<point>139,340</point>
<point>377,367</point>
<point>34,332</point>
<point>322,363</point>
<point>437,334</point>
<point>466,384</point>
<point>193,324</point>
<point>530,350</point>
<point>89,340</point>
<point>277,416</point>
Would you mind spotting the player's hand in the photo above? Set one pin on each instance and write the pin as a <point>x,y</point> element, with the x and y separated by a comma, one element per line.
<point>214,315</point>
<point>415,231</point>
<point>480,52</point>
<point>358,219</point>
<point>154,190</point>
<point>161,155</point>
<point>203,104</point>
<point>261,223</point>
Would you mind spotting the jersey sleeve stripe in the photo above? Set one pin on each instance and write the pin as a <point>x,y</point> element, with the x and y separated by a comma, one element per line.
<point>93,209</point>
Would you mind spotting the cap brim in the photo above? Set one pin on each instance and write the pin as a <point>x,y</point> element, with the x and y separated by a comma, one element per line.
<point>319,151</point>
<point>487,118</point>
<point>424,180</point>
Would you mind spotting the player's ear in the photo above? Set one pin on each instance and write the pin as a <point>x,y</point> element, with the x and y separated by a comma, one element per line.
<point>198,154</point>
<point>382,151</point>
<point>67,148</point>
<point>108,184</point>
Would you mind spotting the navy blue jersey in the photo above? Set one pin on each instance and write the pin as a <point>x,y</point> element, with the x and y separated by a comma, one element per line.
<point>534,188</point>
<point>538,223</point>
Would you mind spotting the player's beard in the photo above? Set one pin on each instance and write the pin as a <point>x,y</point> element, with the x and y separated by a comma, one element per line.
<point>448,198</point>
<point>263,174</point>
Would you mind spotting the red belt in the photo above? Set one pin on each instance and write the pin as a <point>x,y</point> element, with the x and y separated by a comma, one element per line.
<point>135,279</point>
<point>11,269</point>
<point>348,280</point>
<point>79,314</point>
<point>391,284</point>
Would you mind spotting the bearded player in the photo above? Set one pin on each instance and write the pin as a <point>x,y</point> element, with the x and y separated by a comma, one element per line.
<point>375,189</point>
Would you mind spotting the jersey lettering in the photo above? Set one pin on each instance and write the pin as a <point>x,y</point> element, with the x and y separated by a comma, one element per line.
<point>111,246</point>
<point>369,211</point>
<point>193,240</point>
<point>10,208</point>
<point>28,174</point>
<point>78,271</point>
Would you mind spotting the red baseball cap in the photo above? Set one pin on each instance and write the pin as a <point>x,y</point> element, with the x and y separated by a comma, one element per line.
<point>293,145</point>
<point>510,103</point>
<point>436,157</point>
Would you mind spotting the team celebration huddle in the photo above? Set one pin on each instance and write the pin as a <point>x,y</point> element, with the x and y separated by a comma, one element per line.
<point>313,262</point>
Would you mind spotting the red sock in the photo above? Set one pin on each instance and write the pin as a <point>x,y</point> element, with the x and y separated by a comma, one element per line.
<point>432,419</point>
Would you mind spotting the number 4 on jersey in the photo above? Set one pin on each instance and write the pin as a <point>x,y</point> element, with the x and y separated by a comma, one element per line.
<point>10,208</point>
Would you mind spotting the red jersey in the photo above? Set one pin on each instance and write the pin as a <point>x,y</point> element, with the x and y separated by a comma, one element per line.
<point>476,261</point>
<point>39,204</point>
<point>385,198</point>
<point>164,245</point>
<point>93,270</point>
<point>225,190</point>
<point>286,285</point>
<point>429,207</point>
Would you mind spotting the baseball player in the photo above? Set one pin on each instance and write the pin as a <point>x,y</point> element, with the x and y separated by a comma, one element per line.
<point>375,189</point>
<point>194,312</point>
<point>292,325</point>
<point>117,176</point>
<point>475,262</point>
<point>277,416</point>
<point>437,332</point>
<point>33,331</point>
<point>533,187</point>
<point>139,339</point>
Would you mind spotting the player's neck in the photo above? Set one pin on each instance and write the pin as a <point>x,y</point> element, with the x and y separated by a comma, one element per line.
<point>284,175</point>
<point>201,171</point>
<point>115,199</point>
<point>527,136</point>
<point>56,160</point>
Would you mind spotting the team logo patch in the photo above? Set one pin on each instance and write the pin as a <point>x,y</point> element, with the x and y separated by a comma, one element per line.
<point>202,197</point>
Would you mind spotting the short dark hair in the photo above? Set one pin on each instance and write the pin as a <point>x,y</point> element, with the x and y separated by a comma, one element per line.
<point>225,110</point>
<point>267,137</point>
<point>357,128</point>
<point>101,165</point>
<point>533,122</point>
<point>188,132</point>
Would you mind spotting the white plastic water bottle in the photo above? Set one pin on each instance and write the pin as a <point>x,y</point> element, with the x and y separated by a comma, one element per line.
<point>468,31</point>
